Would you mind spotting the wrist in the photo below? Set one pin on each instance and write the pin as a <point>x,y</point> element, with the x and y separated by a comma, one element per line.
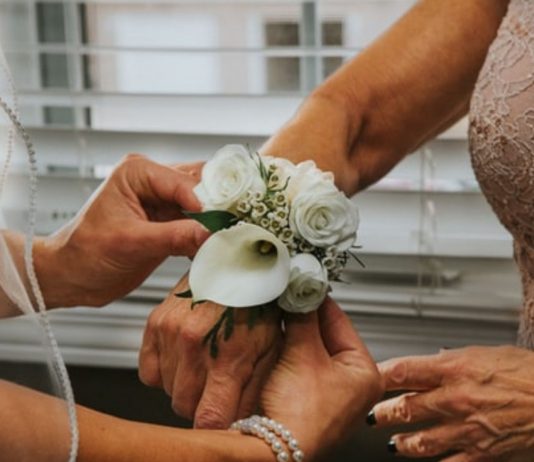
<point>54,273</point>
<point>280,440</point>
<point>323,130</point>
<point>251,448</point>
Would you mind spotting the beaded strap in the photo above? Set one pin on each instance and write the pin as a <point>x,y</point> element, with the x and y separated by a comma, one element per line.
<point>273,433</point>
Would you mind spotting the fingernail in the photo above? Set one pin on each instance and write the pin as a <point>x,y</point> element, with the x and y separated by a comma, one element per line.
<point>392,446</point>
<point>371,419</point>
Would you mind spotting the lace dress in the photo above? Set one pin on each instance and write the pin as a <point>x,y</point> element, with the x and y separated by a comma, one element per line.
<point>501,137</point>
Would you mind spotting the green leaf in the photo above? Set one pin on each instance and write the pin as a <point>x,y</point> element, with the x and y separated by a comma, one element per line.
<point>214,348</point>
<point>263,171</point>
<point>229,324</point>
<point>255,156</point>
<point>213,333</point>
<point>207,337</point>
<point>185,294</point>
<point>214,220</point>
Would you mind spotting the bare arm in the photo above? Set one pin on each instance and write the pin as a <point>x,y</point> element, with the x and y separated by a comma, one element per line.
<point>127,228</point>
<point>34,427</point>
<point>108,439</point>
<point>409,85</point>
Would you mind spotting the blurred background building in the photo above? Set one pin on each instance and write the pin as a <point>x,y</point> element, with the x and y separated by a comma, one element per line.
<point>175,80</point>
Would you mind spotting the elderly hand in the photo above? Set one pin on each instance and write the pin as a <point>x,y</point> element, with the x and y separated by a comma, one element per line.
<point>480,401</point>
<point>212,392</point>
<point>130,225</point>
<point>325,380</point>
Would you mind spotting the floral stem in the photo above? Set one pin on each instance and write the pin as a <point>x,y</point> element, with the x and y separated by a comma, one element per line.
<point>362,264</point>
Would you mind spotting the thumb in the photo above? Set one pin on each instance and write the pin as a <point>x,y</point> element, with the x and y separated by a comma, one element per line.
<point>155,183</point>
<point>302,331</point>
<point>177,238</point>
<point>337,330</point>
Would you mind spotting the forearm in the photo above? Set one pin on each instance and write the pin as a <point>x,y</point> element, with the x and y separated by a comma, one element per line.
<point>108,439</point>
<point>34,426</point>
<point>409,85</point>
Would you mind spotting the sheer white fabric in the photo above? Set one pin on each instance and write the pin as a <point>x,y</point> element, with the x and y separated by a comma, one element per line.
<point>43,368</point>
<point>502,141</point>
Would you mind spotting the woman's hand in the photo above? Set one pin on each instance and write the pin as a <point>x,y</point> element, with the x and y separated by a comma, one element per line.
<point>129,226</point>
<point>212,392</point>
<point>480,401</point>
<point>324,382</point>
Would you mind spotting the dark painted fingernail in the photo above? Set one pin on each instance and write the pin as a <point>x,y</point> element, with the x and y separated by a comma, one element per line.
<point>371,419</point>
<point>392,447</point>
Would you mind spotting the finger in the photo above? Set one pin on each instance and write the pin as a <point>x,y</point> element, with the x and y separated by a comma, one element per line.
<point>168,363</point>
<point>438,440</point>
<point>252,391</point>
<point>189,381</point>
<point>149,370</point>
<point>168,342</point>
<point>414,372</point>
<point>154,182</point>
<point>194,169</point>
<point>178,238</point>
<point>337,331</point>
<point>419,407</point>
<point>219,403</point>
<point>302,331</point>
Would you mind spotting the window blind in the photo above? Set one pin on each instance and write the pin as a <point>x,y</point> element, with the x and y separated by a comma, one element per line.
<point>177,79</point>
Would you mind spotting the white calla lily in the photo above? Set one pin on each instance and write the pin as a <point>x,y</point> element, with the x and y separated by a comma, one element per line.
<point>240,267</point>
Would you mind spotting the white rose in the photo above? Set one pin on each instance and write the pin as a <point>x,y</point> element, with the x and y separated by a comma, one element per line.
<point>227,177</point>
<point>308,285</point>
<point>306,176</point>
<point>301,177</point>
<point>324,217</point>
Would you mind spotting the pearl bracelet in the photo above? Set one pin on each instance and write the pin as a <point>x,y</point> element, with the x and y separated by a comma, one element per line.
<point>269,430</point>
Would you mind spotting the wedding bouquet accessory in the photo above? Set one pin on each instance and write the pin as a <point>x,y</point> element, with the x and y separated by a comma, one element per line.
<point>274,434</point>
<point>281,233</point>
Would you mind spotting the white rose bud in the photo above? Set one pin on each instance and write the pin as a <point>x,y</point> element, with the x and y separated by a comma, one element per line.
<point>308,285</point>
<point>305,177</point>
<point>229,176</point>
<point>324,217</point>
